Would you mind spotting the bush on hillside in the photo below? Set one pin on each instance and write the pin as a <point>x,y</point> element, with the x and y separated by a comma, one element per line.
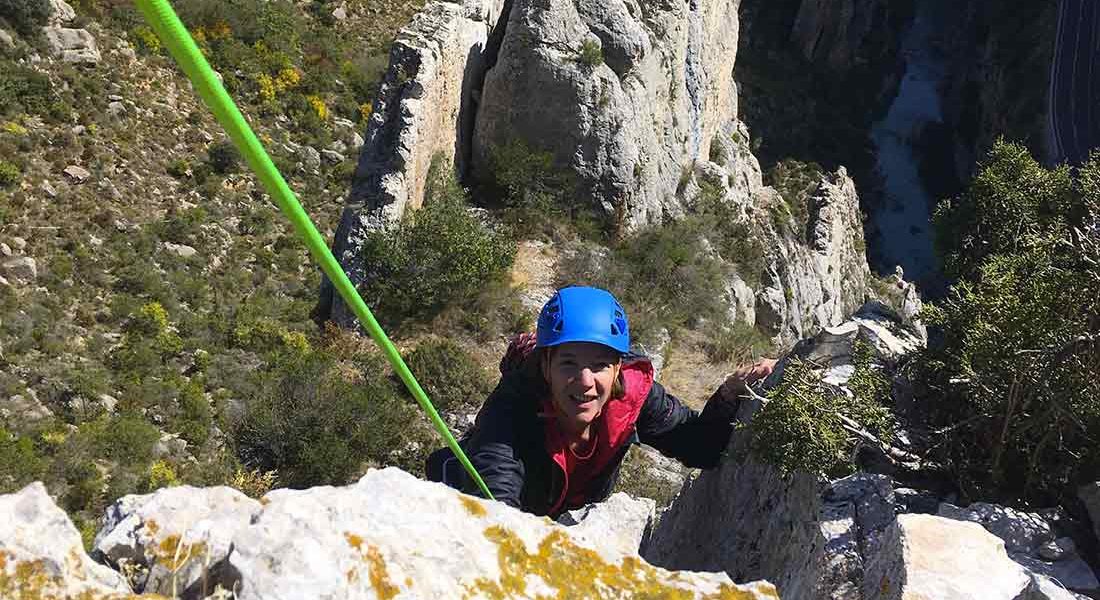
<point>314,422</point>
<point>796,181</point>
<point>439,255</point>
<point>23,90</point>
<point>664,276</point>
<point>800,428</point>
<point>1015,382</point>
<point>25,15</point>
<point>448,374</point>
<point>538,196</point>
<point>9,174</point>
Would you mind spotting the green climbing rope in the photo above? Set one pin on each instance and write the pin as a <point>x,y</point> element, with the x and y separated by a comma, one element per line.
<point>177,39</point>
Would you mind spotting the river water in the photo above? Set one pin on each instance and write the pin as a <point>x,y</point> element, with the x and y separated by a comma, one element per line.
<point>902,216</point>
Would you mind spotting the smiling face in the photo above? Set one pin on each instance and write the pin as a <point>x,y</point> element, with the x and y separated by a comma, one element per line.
<point>581,376</point>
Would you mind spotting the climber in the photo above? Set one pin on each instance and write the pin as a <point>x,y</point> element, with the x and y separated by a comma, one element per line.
<point>571,399</point>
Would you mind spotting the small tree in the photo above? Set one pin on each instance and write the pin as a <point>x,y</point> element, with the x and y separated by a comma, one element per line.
<point>1015,383</point>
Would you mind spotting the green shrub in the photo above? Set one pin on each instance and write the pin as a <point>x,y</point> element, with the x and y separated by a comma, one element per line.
<point>1015,382</point>
<point>126,439</point>
<point>315,423</point>
<point>22,89</point>
<point>737,343</point>
<point>800,428</point>
<point>148,341</point>
<point>437,256</point>
<point>590,54</point>
<point>538,196</point>
<point>223,157</point>
<point>796,181</point>
<point>25,15</point>
<point>20,463</point>
<point>9,174</point>
<point>449,376</point>
<point>663,276</point>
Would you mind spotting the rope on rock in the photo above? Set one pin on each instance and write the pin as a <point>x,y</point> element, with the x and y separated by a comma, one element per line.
<point>168,27</point>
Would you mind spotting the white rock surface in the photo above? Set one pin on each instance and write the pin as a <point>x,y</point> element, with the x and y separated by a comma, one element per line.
<point>41,553</point>
<point>392,535</point>
<point>77,173</point>
<point>629,124</point>
<point>620,523</point>
<point>72,45</point>
<point>1021,532</point>
<point>180,536</point>
<point>1025,536</point>
<point>933,558</point>
<point>21,269</point>
<point>24,408</point>
<point>181,250</point>
<point>60,13</point>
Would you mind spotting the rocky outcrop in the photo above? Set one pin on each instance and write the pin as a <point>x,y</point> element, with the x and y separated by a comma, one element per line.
<point>72,45</point>
<point>843,34</point>
<point>42,556</point>
<point>1031,541</point>
<point>621,522</point>
<point>174,541</point>
<point>923,556</point>
<point>865,536</point>
<point>426,104</point>
<point>389,535</point>
<point>424,110</point>
<point>816,277</point>
<point>627,95</point>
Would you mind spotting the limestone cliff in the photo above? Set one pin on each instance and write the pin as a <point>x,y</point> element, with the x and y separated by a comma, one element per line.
<point>637,100</point>
<point>626,94</point>
<point>1002,52</point>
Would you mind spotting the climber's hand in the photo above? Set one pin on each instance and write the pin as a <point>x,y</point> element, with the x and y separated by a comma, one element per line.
<point>738,381</point>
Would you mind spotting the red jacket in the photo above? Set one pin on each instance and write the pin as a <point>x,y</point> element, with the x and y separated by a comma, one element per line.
<point>614,429</point>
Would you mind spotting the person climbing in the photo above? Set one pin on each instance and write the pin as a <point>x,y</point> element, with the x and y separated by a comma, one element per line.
<point>571,400</point>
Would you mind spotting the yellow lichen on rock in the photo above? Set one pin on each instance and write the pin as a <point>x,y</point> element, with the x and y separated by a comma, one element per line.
<point>34,580</point>
<point>574,571</point>
<point>376,568</point>
<point>173,553</point>
<point>473,506</point>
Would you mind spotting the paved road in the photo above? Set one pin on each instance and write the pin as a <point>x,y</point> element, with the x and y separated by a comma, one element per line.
<point>1075,81</point>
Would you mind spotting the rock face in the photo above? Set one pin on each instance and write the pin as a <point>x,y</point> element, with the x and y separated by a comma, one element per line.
<point>859,537</point>
<point>620,522</point>
<point>178,538</point>
<point>425,108</point>
<point>72,45</point>
<point>817,277</point>
<point>923,556</point>
<point>1030,540</point>
<point>426,104</point>
<point>841,33</point>
<point>41,554</point>
<point>353,541</point>
<point>389,535</point>
<point>630,95</point>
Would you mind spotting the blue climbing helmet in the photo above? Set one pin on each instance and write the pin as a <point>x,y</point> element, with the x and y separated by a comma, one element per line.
<point>583,314</point>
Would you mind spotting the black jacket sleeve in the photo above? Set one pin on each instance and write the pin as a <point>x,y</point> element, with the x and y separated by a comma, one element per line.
<point>493,447</point>
<point>677,431</point>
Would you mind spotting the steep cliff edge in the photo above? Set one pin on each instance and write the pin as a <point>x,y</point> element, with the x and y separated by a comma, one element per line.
<point>1002,52</point>
<point>637,105</point>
